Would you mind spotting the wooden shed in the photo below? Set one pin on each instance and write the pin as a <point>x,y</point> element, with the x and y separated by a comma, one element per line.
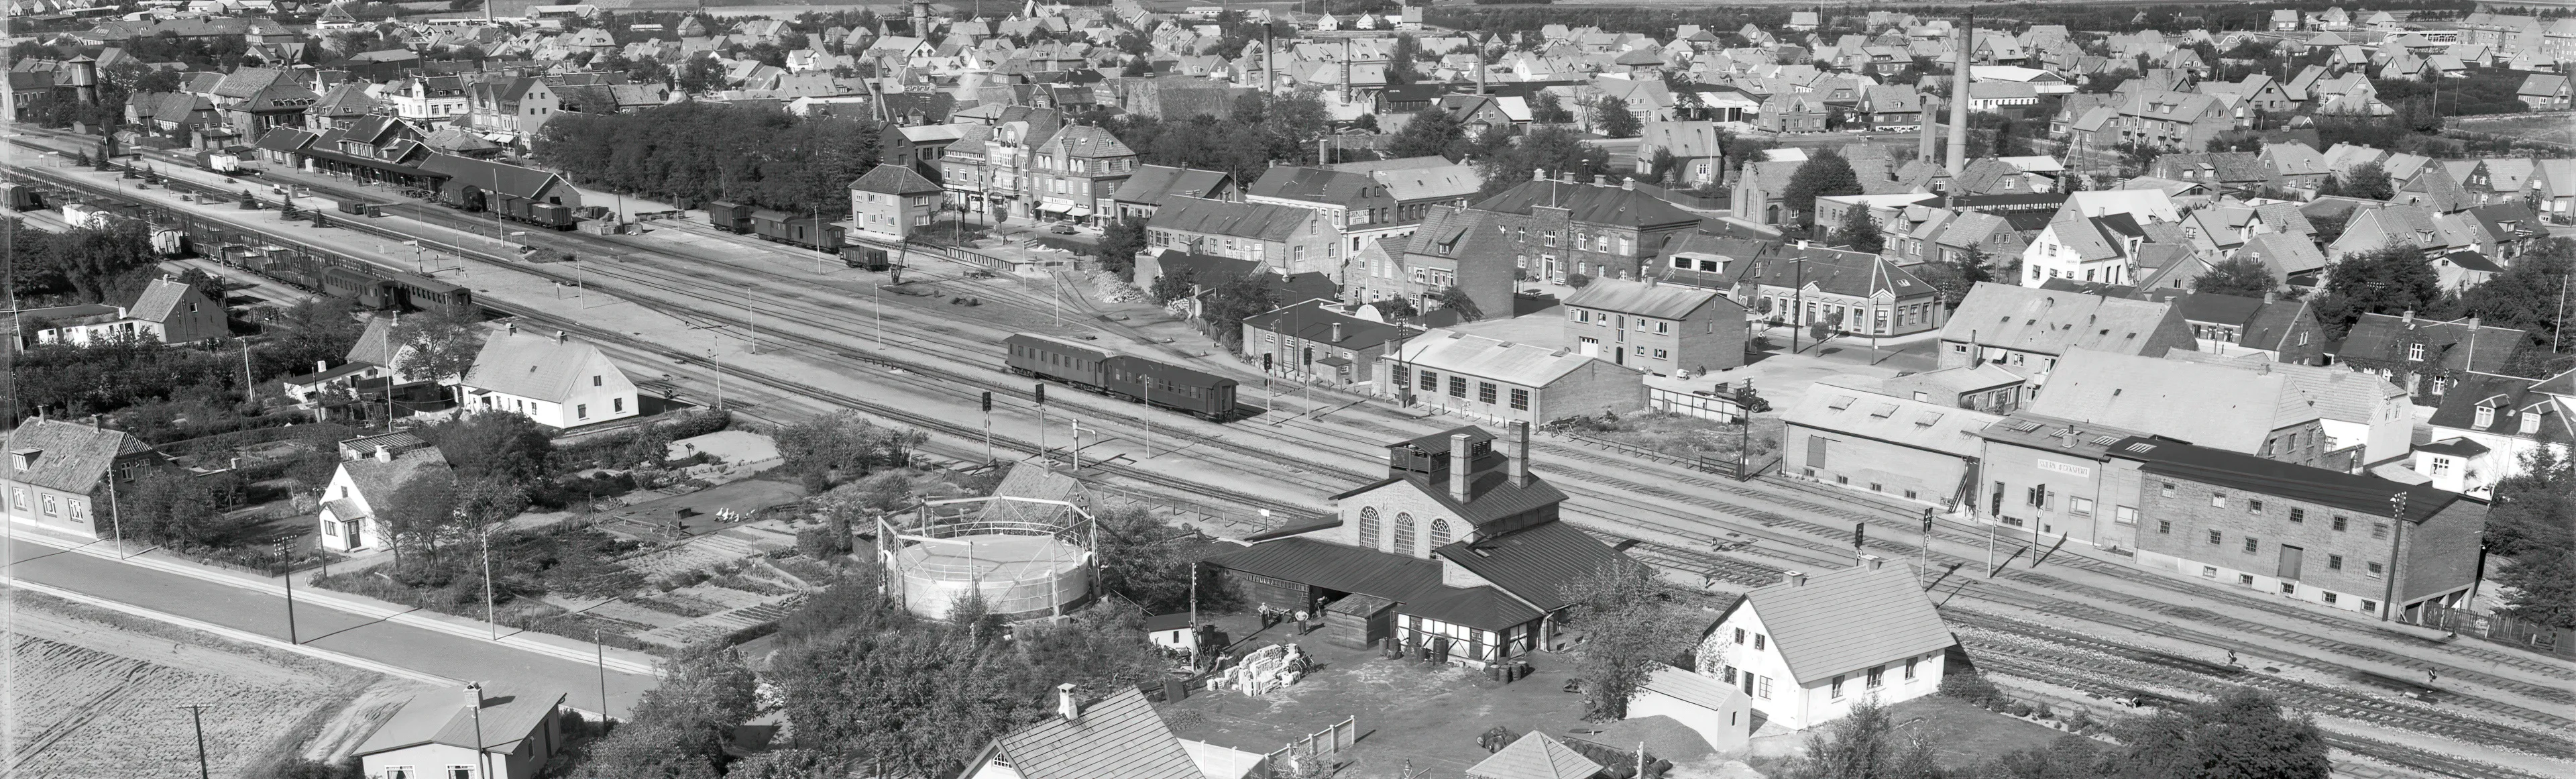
<point>1359,621</point>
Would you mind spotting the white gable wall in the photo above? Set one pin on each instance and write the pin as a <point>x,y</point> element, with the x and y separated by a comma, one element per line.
<point>1795,703</point>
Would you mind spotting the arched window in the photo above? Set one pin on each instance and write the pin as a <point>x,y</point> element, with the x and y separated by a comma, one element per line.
<point>1404,534</point>
<point>1368,527</point>
<point>1439,533</point>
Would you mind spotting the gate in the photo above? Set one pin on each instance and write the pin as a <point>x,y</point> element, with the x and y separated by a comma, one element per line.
<point>1321,746</point>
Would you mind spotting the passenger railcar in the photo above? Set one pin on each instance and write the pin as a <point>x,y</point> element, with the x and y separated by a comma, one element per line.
<point>1123,376</point>
<point>808,232</point>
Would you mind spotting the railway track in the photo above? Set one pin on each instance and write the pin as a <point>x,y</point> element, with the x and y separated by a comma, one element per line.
<point>1800,550</point>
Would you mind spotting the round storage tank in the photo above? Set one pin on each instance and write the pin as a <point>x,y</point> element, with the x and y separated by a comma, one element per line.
<point>1019,576</point>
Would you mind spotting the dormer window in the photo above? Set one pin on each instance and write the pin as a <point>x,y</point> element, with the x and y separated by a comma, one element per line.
<point>2531,424</point>
<point>2415,352</point>
<point>2486,417</point>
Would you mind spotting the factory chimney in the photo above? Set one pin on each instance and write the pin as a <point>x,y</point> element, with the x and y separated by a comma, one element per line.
<point>1459,465</point>
<point>1967,39</point>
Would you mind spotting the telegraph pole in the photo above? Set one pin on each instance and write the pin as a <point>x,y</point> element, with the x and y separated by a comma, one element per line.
<point>286,566</point>
<point>197,714</point>
<point>600,657</point>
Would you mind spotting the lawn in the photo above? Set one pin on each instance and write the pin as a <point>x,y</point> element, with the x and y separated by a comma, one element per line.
<point>1680,435</point>
<point>2557,129</point>
<point>1965,735</point>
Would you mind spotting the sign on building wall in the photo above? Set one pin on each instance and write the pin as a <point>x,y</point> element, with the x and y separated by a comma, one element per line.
<point>2077,471</point>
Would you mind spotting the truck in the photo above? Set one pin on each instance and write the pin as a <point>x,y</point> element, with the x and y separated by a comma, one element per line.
<point>86,216</point>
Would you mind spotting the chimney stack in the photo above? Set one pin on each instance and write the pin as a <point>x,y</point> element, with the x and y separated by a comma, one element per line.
<point>1929,151</point>
<point>513,328</point>
<point>1958,159</point>
<point>1794,578</point>
<point>1459,464</point>
<point>1337,333</point>
<point>1520,454</point>
<point>1065,704</point>
<point>321,365</point>
<point>474,694</point>
<point>93,421</point>
<point>562,337</point>
<point>2271,296</point>
<point>384,455</point>
<point>1875,562</point>
<point>2409,318</point>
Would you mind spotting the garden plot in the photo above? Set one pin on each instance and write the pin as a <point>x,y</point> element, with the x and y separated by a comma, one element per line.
<point>94,698</point>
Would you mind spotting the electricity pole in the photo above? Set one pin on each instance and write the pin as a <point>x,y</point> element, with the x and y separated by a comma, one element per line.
<point>490,614</point>
<point>197,714</point>
<point>286,566</point>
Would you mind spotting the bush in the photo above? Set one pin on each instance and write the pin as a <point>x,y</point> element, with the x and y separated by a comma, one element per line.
<point>1969,684</point>
<point>2017,709</point>
<point>1577,280</point>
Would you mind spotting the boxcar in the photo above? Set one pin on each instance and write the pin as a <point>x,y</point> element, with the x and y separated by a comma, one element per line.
<point>729,217</point>
<point>864,257</point>
<point>1073,363</point>
<point>21,197</point>
<point>553,216</point>
<point>809,232</point>
<point>1157,383</point>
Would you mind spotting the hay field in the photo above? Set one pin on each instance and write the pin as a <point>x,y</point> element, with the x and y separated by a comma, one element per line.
<point>94,693</point>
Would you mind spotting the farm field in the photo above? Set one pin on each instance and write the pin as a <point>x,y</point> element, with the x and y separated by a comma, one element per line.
<point>95,693</point>
<point>2557,128</point>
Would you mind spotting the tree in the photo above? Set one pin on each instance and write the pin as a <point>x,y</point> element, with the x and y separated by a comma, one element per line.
<point>1559,151</point>
<point>2366,180</point>
<point>499,447</point>
<point>2241,276</point>
<point>1120,242</point>
<point>1610,117</point>
<point>1146,559</point>
<point>1858,232</point>
<point>1396,309</point>
<point>1865,745</point>
<point>1631,630</point>
<point>1953,278</point>
<point>2389,280</point>
<point>1230,301</point>
<point>1430,133</point>
<point>678,729</point>
<point>1455,298</point>
<point>1824,173</point>
<point>438,346</point>
<point>1546,108</point>
<point>420,512</point>
<point>843,444</point>
<point>2526,294</point>
<point>179,509</point>
<point>1399,60</point>
<point>2242,734</point>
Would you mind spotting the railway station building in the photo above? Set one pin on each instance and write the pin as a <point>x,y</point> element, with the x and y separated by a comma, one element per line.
<point>1457,555</point>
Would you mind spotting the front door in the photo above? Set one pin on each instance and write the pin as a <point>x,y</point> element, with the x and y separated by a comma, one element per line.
<point>2290,560</point>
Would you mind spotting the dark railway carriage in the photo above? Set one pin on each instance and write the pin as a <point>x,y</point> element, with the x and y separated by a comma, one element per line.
<point>805,231</point>
<point>1127,377</point>
<point>1156,383</point>
<point>729,217</point>
<point>1055,358</point>
<point>428,294</point>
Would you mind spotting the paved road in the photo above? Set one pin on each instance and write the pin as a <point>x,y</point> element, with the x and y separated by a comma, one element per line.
<point>418,649</point>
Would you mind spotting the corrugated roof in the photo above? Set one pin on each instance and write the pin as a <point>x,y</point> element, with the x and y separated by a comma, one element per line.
<point>1412,581</point>
<point>1450,351</point>
<point>1119,737</point>
<point>443,717</point>
<point>2204,404</point>
<point>70,457</point>
<point>1843,621</point>
<point>1937,427</point>
<point>158,300</point>
<point>1535,563</point>
<point>1662,301</point>
<point>1693,688</point>
<point>2351,492</point>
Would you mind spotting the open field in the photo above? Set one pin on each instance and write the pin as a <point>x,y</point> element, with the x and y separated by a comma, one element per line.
<point>95,693</point>
<point>2555,128</point>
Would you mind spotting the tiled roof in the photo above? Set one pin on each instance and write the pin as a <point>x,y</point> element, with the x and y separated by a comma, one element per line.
<point>1692,688</point>
<point>894,180</point>
<point>2454,345</point>
<point>2341,393</point>
<point>1535,755</point>
<point>2511,398</point>
<point>508,179</point>
<point>1153,184</point>
<point>444,717</point>
<point>159,299</point>
<point>1201,216</point>
<point>1311,321</point>
<point>70,457</point>
<point>1119,737</point>
<point>1312,185</point>
<point>2036,320</point>
<point>530,365</point>
<point>1589,204</point>
<point>2204,404</point>
<point>376,481</point>
<point>1843,621</point>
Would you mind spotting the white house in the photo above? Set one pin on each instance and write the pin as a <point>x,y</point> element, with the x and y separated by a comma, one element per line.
<point>1118,736</point>
<point>553,380</point>
<point>2102,248</point>
<point>371,469</point>
<point>1805,650</point>
<point>436,735</point>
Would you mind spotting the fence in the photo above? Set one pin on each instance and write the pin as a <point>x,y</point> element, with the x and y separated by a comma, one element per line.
<point>1722,407</point>
<point>2503,630</point>
<point>1722,466</point>
<point>1319,746</point>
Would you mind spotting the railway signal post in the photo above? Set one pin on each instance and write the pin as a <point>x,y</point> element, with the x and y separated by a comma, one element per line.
<point>988,426</point>
<point>1043,454</point>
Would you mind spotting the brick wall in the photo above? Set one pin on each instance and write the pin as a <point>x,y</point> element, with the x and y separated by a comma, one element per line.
<point>2176,524</point>
<point>1875,466</point>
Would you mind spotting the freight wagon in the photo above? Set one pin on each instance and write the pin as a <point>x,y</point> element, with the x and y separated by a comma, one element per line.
<point>729,217</point>
<point>21,197</point>
<point>809,232</point>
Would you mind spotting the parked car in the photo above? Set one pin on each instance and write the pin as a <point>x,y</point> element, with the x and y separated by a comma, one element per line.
<point>1060,228</point>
